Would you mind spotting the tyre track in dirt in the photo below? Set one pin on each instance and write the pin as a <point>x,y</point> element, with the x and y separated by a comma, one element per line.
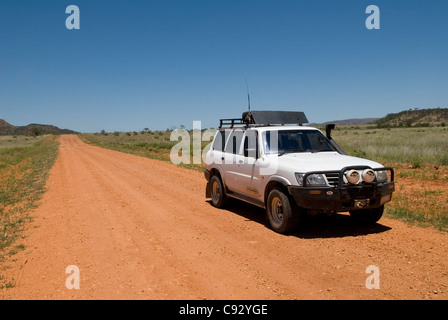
<point>139,228</point>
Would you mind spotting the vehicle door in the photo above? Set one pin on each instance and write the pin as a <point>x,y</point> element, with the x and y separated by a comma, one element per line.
<point>216,153</point>
<point>245,165</point>
<point>231,160</point>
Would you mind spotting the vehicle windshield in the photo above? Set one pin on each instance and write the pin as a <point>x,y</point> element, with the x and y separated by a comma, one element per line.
<point>291,141</point>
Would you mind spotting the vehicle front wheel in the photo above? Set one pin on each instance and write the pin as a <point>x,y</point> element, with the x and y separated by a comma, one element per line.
<point>283,215</point>
<point>219,198</point>
<point>367,215</point>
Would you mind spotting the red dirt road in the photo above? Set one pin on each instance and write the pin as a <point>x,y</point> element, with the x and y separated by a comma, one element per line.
<point>142,229</point>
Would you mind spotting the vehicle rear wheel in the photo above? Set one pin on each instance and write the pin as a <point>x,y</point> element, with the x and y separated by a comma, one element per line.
<point>283,215</point>
<point>367,215</point>
<point>219,198</point>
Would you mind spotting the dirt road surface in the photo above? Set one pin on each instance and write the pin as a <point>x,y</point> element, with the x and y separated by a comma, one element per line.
<point>142,229</point>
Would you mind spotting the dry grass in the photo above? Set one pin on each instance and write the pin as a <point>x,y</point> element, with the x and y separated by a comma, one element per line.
<point>18,141</point>
<point>417,146</point>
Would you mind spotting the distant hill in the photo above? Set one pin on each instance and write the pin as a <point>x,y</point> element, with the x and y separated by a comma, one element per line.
<point>352,122</point>
<point>407,118</point>
<point>6,128</point>
<point>415,118</point>
<point>32,129</point>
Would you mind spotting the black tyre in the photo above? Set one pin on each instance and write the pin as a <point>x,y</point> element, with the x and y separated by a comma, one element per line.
<point>219,198</point>
<point>283,215</point>
<point>367,215</point>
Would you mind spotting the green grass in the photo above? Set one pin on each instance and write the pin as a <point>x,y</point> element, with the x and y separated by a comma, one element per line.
<point>423,218</point>
<point>417,146</point>
<point>23,174</point>
<point>7,142</point>
<point>421,201</point>
<point>153,144</point>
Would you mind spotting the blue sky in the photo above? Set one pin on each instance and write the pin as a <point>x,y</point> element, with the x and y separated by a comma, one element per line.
<point>159,64</point>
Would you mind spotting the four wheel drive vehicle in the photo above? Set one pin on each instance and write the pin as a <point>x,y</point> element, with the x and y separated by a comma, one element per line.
<point>269,159</point>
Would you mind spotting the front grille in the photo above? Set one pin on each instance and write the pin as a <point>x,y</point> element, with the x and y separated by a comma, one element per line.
<point>333,179</point>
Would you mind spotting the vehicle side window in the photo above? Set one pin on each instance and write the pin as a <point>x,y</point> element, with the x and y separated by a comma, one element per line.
<point>220,140</point>
<point>251,144</point>
<point>234,142</point>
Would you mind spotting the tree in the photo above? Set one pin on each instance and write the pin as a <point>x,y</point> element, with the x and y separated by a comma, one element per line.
<point>36,131</point>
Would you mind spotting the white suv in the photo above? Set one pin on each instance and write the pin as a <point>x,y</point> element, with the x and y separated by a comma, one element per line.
<point>291,170</point>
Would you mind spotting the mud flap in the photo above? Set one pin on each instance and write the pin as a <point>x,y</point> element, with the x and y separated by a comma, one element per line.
<point>207,191</point>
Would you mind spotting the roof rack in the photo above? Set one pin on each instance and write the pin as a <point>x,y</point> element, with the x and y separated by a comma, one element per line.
<point>266,118</point>
<point>231,122</point>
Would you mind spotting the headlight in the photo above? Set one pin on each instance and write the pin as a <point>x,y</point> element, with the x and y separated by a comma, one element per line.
<point>316,180</point>
<point>382,175</point>
<point>313,179</point>
<point>299,177</point>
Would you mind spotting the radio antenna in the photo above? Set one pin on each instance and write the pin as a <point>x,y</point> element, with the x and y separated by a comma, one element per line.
<point>248,95</point>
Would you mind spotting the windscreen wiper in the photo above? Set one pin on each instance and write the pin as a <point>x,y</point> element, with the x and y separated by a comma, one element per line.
<point>289,151</point>
<point>323,150</point>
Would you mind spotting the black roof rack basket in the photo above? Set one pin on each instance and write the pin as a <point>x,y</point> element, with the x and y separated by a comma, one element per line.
<point>266,118</point>
<point>231,122</point>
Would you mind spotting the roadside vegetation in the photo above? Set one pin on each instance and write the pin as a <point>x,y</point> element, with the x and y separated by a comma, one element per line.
<point>24,166</point>
<point>146,143</point>
<point>414,145</point>
<point>419,155</point>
